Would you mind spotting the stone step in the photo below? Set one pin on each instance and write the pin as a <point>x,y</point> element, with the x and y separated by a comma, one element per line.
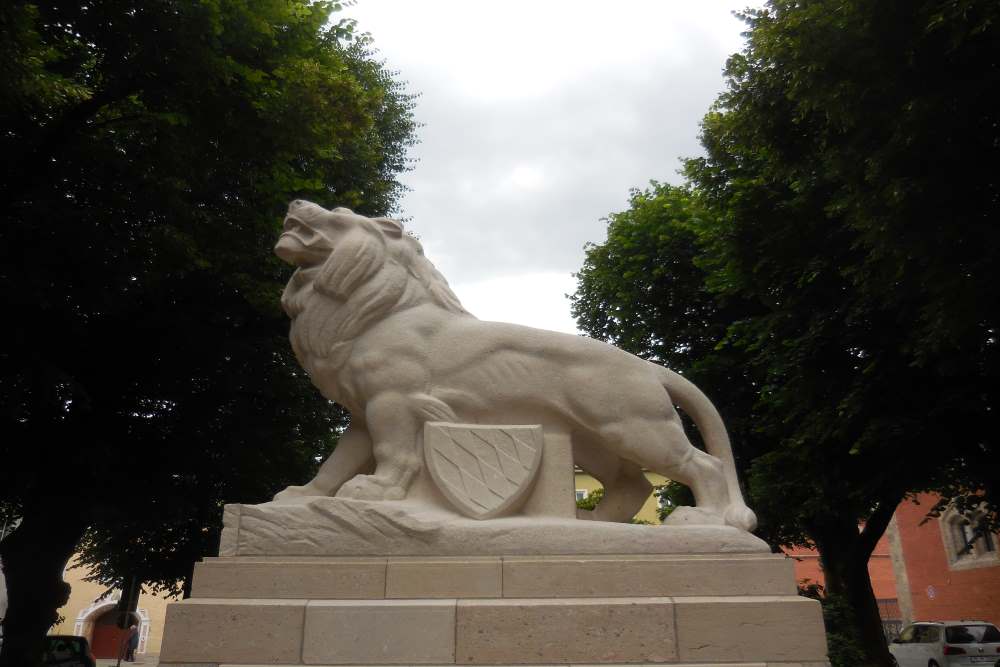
<point>687,664</point>
<point>493,577</point>
<point>723,630</point>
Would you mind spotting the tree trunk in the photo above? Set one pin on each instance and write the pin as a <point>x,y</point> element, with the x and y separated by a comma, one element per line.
<point>34,557</point>
<point>855,586</point>
<point>186,586</point>
<point>844,554</point>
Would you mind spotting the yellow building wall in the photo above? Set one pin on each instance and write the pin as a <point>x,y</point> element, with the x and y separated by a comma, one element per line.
<point>84,595</point>
<point>585,482</point>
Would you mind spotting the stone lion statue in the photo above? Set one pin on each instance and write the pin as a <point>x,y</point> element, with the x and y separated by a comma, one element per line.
<point>380,332</point>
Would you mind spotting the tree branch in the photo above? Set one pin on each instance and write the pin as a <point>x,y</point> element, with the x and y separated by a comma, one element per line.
<point>876,525</point>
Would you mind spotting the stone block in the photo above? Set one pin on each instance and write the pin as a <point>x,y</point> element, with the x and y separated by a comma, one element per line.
<point>553,495</point>
<point>646,576</point>
<point>326,579</point>
<point>509,632</point>
<point>347,528</point>
<point>229,540</point>
<point>484,471</point>
<point>241,631</point>
<point>444,578</point>
<point>673,664</point>
<point>379,632</point>
<point>770,629</point>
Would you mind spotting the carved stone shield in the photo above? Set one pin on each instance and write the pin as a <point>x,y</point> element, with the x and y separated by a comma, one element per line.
<point>485,471</point>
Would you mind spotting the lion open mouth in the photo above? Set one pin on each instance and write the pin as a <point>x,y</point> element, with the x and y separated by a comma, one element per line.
<point>300,245</point>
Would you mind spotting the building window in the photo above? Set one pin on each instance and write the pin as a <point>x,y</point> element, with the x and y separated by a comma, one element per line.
<point>964,536</point>
<point>892,617</point>
<point>581,494</point>
<point>966,542</point>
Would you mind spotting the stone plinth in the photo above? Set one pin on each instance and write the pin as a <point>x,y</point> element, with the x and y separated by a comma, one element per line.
<point>737,610</point>
<point>337,581</point>
<point>339,527</point>
<point>426,523</point>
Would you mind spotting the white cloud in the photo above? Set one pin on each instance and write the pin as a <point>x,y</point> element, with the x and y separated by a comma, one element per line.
<point>532,299</point>
<point>538,117</point>
<point>524,177</point>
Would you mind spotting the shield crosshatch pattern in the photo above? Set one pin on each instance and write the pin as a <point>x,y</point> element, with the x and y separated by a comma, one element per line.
<point>485,471</point>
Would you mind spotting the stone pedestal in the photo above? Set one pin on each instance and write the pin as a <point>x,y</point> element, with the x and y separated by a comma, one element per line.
<point>426,523</point>
<point>331,581</point>
<point>724,609</point>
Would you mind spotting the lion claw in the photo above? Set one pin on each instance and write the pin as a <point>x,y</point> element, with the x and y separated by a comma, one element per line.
<point>370,487</point>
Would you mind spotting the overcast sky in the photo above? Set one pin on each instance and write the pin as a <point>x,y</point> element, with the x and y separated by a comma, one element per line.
<point>538,117</point>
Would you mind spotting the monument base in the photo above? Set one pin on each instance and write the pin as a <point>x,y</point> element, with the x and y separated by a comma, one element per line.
<point>737,610</point>
<point>338,527</point>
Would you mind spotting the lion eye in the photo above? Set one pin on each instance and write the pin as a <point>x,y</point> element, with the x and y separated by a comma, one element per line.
<point>306,234</point>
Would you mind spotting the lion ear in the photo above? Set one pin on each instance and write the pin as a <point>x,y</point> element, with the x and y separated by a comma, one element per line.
<point>390,227</point>
<point>356,258</point>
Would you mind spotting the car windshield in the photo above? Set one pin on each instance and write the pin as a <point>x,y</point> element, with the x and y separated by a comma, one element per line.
<point>972,634</point>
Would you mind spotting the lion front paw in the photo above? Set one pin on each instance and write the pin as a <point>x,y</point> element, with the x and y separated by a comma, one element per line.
<point>371,487</point>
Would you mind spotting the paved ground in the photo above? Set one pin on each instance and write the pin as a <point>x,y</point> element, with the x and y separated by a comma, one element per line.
<point>144,660</point>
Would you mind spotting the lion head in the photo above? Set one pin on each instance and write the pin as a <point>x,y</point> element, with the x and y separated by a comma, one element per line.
<point>351,272</point>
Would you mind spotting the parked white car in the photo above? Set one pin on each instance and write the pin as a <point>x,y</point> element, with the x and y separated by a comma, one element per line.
<point>947,644</point>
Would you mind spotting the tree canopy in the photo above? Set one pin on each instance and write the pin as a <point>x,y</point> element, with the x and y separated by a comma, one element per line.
<point>847,158</point>
<point>844,223</point>
<point>148,152</point>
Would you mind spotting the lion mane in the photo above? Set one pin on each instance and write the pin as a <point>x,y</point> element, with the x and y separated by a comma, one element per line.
<point>371,270</point>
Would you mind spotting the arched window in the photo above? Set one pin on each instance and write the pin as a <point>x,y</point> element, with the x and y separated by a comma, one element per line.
<point>968,541</point>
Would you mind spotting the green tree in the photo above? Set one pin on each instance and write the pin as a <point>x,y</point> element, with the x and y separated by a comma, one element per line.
<point>594,498</point>
<point>843,223</point>
<point>590,502</point>
<point>147,154</point>
<point>844,163</point>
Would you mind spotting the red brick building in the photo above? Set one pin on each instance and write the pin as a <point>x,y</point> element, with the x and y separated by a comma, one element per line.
<point>927,570</point>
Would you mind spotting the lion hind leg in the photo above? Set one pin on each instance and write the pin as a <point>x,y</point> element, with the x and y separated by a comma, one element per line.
<point>626,488</point>
<point>705,475</point>
<point>624,495</point>
<point>663,447</point>
<point>702,473</point>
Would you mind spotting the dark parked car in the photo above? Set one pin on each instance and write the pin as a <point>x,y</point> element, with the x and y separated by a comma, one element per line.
<point>68,651</point>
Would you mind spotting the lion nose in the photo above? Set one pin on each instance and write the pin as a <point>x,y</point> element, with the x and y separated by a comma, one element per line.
<point>298,203</point>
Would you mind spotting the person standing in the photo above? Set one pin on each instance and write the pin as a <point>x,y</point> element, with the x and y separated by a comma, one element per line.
<point>133,643</point>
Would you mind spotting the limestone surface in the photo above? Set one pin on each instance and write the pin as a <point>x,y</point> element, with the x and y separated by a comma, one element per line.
<point>485,471</point>
<point>380,332</point>
<point>344,527</point>
<point>708,610</point>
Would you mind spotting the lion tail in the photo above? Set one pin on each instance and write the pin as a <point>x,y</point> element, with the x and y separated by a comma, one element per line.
<point>713,432</point>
